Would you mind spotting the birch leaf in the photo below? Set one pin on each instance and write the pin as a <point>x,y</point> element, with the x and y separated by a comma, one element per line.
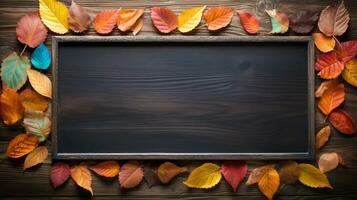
<point>349,73</point>
<point>218,17</point>
<point>105,21</point>
<point>167,171</point>
<point>257,173</point>
<point>11,107</point>
<point>269,183</point>
<point>249,22</point>
<point>30,30</point>
<point>78,18</point>
<point>136,28</point>
<point>54,15</point>
<point>13,70</point>
<point>21,145</point>
<point>322,137</point>
<point>128,17</point>
<point>60,173</point>
<point>106,168</point>
<point>303,21</point>
<point>332,98</point>
<point>324,86</point>
<point>279,21</point>
<point>131,174</point>
<point>36,157</point>
<point>41,57</point>
<point>189,19</point>
<point>289,172</point>
<point>313,177</point>
<point>164,19</point>
<point>40,82</point>
<point>329,66</point>
<point>328,162</point>
<point>37,123</point>
<point>234,172</point>
<point>323,43</point>
<point>82,177</point>
<point>204,177</point>
<point>31,100</point>
<point>343,122</point>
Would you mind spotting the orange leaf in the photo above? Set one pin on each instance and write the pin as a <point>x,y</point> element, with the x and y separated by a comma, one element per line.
<point>347,50</point>
<point>332,98</point>
<point>343,122</point>
<point>106,168</point>
<point>323,43</point>
<point>33,101</point>
<point>269,183</point>
<point>82,177</point>
<point>322,137</point>
<point>167,171</point>
<point>40,82</point>
<point>249,22</point>
<point>21,145</point>
<point>218,17</point>
<point>328,161</point>
<point>104,22</point>
<point>128,17</point>
<point>136,28</point>
<point>37,156</point>
<point>164,19</point>
<point>325,86</point>
<point>30,30</point>
<point>257,173</point>
<point>78,18</point>
<point>329,66</point>
<point>11,107</point>
<point>131,174</point>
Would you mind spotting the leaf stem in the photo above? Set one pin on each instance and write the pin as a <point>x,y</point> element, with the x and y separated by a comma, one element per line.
<point>201,26</point>
<point>325,119</point>
<point>23,50</point>
<point>338,42</point>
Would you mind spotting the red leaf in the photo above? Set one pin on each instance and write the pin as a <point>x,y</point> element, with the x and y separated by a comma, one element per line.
<point>329,66</point>
<point>131,174</point>
<point>234,172</point>
<point>347,51</point>
<point>343,122</point>
<point>249,22</point>
<point>30,30</point>
<point>105,21</point>
<point>164,19</point>
<point>59,173</point>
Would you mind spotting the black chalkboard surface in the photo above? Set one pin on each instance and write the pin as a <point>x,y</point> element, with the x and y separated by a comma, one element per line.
<point>183,97</point>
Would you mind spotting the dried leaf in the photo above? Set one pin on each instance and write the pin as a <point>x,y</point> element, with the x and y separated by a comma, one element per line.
<point>334,20</point>
<point>303,21</point>
<point>279,21</point>
<point>21,145</point>
<point>41,57</point>
<point>347,51</point>
<point>167,171</point>
<point>332,98</point>
<point>37,123</point>
<point>32,100</point>
<point>106,168</point>
<point>343,122</point>
<point>322,137</point>
<point>325,86</point>
<point>289,172</point>
<point>40,82</point>
<point>105,21</point>
<point>269,183</point>
<point>54,15</point>
<point>218,17</point>
<point>130,175</point>
<point>150,175</point>
<point>78,18</point>
<point>13,70</point>
<point>82,177</point>
<point>257,173</point>
<point>36,157</point>
<point>136,28</point>
<point>323,43</point>
<point>313,177</point>
<point>128,17</point>
<point>204,177</point>
<point>329,66</point>
<point>328,162</point>
<point>11,106</point>
<point>30,30</point>
<point>164,19</point>
<point>234,172</point>
<point>60,172</point>
<point>190,18</point>
<point>249,22</point>
<point>350,72</point>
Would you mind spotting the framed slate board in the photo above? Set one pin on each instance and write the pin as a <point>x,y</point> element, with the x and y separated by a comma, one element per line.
<point>183,97</point>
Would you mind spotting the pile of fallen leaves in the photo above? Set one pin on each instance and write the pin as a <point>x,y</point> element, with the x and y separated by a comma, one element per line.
<point>29,103</point>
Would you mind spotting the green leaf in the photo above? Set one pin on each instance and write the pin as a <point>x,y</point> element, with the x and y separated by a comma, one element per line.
<point>13,70</point>
<point>37,123</point>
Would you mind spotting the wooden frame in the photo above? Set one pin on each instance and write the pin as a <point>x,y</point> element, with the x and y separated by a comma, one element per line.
<point>56,40</point>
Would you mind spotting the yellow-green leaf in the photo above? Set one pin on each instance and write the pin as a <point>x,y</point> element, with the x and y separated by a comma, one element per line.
<point>54,15</point>
<point>269,183</point>
<point>313,177</point>
<point>190,18</point>
<point>350,72</point>
<point>204,177</point>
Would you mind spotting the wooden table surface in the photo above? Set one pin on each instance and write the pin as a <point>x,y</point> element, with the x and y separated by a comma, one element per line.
<point>35,182</point>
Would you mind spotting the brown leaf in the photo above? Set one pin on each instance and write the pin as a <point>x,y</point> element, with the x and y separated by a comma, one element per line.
<point>33,101</point>
<point>167,171</point>
<point>303,21</point>
<point>150,175</point>
<point>257,173</point>
<point>11,107</point>
<point>78,18</point>
<point>343,122</point>
<point>328,162</point>
<point>106,168</point>
<point>37,156</point>
<point>82,177</point>
<point>131,174</point>
<point>289,172</point>
<point>322,137</point>
<point>128,17</point>
<point>21,145</point>
<point>325,86</point>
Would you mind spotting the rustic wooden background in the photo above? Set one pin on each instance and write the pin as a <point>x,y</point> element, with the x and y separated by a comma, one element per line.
<point>35,183</point>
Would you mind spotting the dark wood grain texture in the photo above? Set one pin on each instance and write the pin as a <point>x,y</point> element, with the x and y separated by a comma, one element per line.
<point>34,183</point>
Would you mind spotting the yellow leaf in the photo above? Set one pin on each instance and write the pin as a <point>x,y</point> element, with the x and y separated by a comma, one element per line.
<point>190,18</point>
<point>313,177</point>
<point>82,177</point>
<point>350,72</point>
<point>54,15</point>
<point>37,156</point>
<point>269,183</point>
<point>40,82</point>
<point>205,176</point>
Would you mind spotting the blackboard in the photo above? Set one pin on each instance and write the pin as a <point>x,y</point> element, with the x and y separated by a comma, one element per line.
<point>183,97</point>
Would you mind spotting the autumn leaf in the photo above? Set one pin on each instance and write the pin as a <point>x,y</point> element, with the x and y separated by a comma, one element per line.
<point>40,82</point>
<point>347,51</point>
<point>37,123</point>
<point>136,28</point>
<point>21,145</point>
<point>13,70</point>
<point>234,172</point>
<point>322,137</point>
<point>269,183</point>
<point>30,30</point>
<point>32,100</point>
<point>190,18</point>
<point>106,168</point>
<point>218,17</point>
<point>150,174</point>
<point>78,18</point>
<point>60,172</point>
<point>204,177</point>
<point>249,22</point>
<point>328,162</point>
<point>323,43</point>
<point>329,66</point>
<point>279,21</point>
<point>325,86</point>
<point>313,177</point>
<point>82,177</point>
<point>131,174</point>
<point>332,98</point>
<point>257,173</point>
<point>167,171</point>
<point>343,122</point>
<point>334,20</point>
<point>128,17</point>
<point>303,21</point>
<point>41,57</point>
<point>54,15</point>
<point>164,19</point>
<point>36,157</point>
<point>11,106</point>
<point>289,172</point>
<point>349,74</point>
<point>105,21</point>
